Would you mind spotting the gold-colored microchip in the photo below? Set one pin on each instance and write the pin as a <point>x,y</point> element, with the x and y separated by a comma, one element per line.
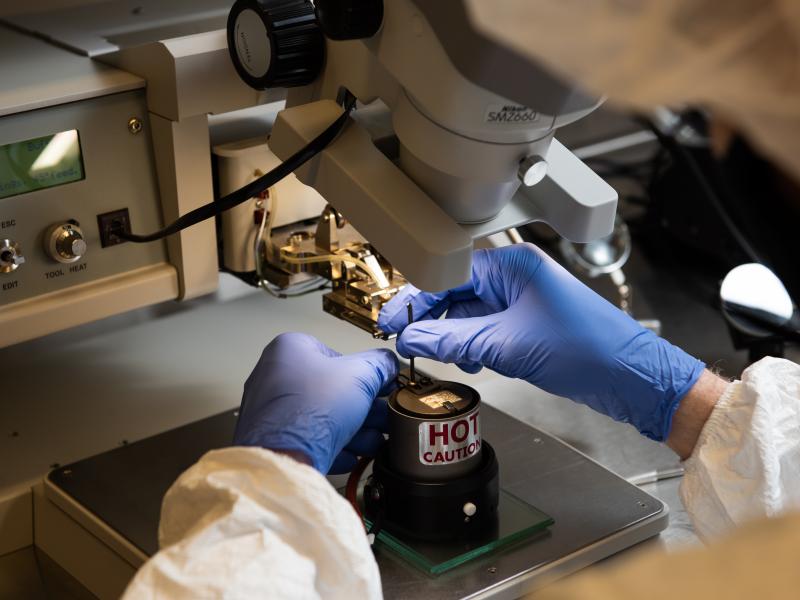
<point>438,399</point>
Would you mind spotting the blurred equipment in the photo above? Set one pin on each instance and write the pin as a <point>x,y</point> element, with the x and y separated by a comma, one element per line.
<point>607,256</point>
<point>759,311</point>
<point>727,207</point>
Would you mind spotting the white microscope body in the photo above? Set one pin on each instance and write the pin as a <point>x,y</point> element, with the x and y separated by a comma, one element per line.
<point>469,161</point>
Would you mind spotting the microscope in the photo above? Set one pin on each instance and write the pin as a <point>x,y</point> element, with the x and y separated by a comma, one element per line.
<point>465,148</point>
<point>452,140</point>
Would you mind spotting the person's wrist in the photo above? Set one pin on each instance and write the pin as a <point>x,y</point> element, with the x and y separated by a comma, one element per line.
<point>653,377</point>
<point>693,411</point>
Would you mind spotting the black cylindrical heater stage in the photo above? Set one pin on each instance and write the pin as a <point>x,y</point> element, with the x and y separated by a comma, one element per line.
<point>436,478</point>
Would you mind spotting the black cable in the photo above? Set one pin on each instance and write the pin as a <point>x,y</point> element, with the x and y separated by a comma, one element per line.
<point>634,167</point>
<point>640,171</point>
<point>255,187</point>
<point>681,154</point>
<point>283,294</point>
<point>248,277</point>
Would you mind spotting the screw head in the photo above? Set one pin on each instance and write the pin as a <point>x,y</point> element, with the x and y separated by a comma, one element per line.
<point>135,125</point>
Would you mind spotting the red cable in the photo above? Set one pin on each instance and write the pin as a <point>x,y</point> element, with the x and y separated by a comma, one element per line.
<point>351,490</point>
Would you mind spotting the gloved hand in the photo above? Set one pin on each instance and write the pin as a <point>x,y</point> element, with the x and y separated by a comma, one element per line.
<point>524,316</point>
<point>304,397</point>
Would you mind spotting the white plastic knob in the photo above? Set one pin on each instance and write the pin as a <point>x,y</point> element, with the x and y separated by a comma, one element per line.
<point>532,170</point>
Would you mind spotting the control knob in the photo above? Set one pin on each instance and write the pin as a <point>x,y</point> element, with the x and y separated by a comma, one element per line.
<point>275,43</point>
<point>10,256</point>
<point>64,242</point>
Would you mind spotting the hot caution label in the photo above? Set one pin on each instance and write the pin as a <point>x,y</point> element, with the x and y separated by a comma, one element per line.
<point>448,442</point>
<point>510,114</point>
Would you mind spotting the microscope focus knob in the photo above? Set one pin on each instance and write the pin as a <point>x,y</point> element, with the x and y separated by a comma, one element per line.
<point>64,243</point>
<point>532,170</point>
<point>275,43</point>
<point>349,19</point>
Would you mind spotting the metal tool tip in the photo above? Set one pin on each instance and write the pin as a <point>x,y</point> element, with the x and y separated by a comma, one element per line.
<point>412,373</point>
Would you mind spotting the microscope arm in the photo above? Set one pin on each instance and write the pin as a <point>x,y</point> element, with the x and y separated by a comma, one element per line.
<point>381,202</point>
<point>406,225</point>
<point>572,199</point>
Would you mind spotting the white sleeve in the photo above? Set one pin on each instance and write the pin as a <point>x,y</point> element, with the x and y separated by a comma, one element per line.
<point>250,523</point>
<point>746,463</point>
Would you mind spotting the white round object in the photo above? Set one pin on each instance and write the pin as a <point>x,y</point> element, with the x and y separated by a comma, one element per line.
<point>754,286</point>
<point>78,247</point>
<point>532,170</point>
<point>470,509</point>
<point>252,43</point>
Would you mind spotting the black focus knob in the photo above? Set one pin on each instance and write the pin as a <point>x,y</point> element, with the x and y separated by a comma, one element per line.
<point>275,43</point>
<point>349,19</point>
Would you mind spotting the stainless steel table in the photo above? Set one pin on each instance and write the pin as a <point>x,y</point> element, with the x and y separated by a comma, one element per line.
<point>88,390</point>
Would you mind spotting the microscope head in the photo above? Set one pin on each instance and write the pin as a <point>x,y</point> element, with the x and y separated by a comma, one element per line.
<point>473,120</point>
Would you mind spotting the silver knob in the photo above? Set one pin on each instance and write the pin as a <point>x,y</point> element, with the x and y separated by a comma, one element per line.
<point>532,170</point>
<point>73,247</point>
<point>64,243</point>
<point>10,256</point>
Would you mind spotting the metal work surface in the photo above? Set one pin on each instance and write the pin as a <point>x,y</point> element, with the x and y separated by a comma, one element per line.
<point>87,390</point>
<point>124,488</point>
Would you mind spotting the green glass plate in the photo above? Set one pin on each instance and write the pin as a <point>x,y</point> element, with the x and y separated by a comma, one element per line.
<point>518,521</point>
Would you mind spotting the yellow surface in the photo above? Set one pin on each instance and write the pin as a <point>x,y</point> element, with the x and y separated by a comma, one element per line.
<point>758,561</point>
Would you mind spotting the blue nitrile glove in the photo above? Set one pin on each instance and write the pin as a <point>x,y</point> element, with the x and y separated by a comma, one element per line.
<point>523,315</point>
<point>304,397</point>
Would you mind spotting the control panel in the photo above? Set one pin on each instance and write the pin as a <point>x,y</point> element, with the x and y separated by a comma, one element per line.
<point>61,168</point>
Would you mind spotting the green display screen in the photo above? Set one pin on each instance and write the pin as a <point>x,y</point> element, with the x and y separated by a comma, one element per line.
<point>40,163</point>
